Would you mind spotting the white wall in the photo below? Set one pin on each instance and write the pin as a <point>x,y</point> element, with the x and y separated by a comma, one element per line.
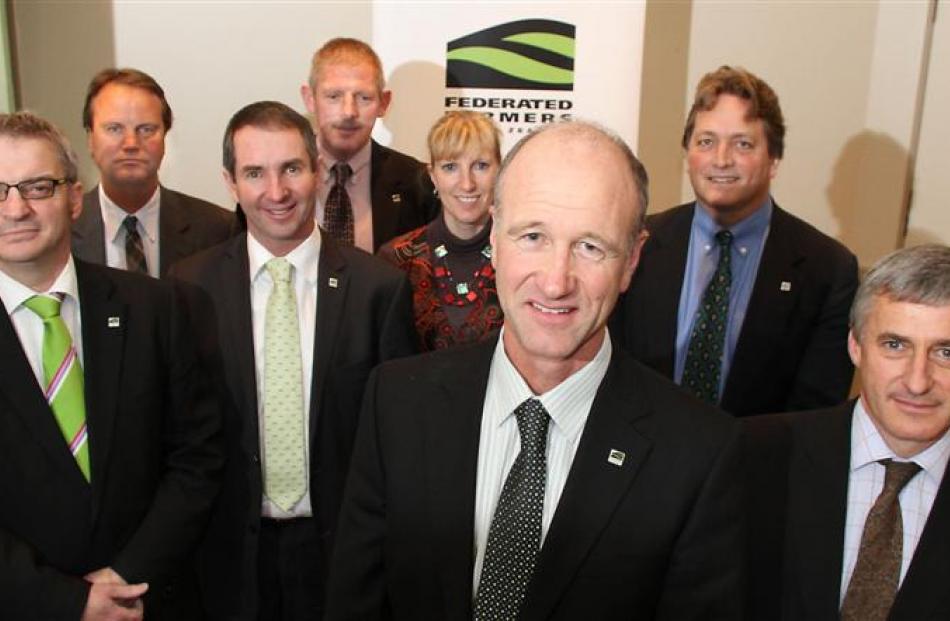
<point>213,58</point>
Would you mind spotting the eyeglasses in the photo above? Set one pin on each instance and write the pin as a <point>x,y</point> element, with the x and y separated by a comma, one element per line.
<point>32,189</point>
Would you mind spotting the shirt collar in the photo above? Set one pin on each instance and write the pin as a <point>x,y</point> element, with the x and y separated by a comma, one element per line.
<point>560,401</point>
<point>755,226</point>
<point>14,293</point>
<point>113,216</point>
<point>304,258</point>
<point>867,446</point>
<point>358,163</point>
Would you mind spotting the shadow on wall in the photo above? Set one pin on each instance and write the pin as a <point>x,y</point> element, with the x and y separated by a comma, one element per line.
<point>867,193</point>
<point>418,88</point>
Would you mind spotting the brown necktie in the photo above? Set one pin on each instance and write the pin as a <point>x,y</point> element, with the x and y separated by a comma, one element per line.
<point>873,585</point>
<point>134,251</point>
<point>338,212</point>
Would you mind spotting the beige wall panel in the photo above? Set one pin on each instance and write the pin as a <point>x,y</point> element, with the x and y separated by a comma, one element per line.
<point>59,46</point>
<point>929,213</point>
<point>845,156</point>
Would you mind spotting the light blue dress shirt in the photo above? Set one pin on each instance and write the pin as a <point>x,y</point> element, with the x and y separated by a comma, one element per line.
<point>749,237</point>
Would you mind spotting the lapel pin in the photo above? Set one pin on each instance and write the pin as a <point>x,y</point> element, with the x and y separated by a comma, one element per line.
<point>333,283</point>
<point>785,286</point>
<point>397,198</point>
<point>616,457</point>
<point>114,322</point>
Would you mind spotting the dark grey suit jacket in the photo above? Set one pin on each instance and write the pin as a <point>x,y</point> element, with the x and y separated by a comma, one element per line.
<point>401,192</point>
<point>363,317</point>
<point>185,225</point>
<point>657,538</point>
<point>792,349</point>
<point>796,502</point>
<point>155,452</point>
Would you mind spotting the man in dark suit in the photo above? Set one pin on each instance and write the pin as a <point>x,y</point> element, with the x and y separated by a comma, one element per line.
<point>130,221</point>
<point>849,507</point>
<point>623,499</point>
<point>288,420</point>
<point>109,434</point>
<point>382,193</point>
<point>777,341</point>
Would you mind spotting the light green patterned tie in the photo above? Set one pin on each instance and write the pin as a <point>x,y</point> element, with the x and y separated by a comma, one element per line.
<point>63,376</point>
<point>285,474</point>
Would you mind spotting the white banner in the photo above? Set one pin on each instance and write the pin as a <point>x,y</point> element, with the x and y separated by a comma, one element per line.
<point>524,63</point>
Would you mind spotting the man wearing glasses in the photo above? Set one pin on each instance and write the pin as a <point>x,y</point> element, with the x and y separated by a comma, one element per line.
<point>108,468</point>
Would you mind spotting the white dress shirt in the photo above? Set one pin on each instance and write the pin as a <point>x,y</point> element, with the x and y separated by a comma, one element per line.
<point>29,326</point>
<point>358,188</point>
<point>866,480</point>
<point>305,261</point>
<point>568,404</point>
<point>114,232</point>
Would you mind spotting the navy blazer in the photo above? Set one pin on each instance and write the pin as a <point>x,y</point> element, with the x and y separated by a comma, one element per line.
<point>792,349</point>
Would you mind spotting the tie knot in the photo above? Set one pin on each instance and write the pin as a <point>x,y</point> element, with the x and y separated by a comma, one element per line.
<point>45,306</point>
<point>724,238</point>
<point>279,269</point>
<point>532,424</point>
<point>131,224</point>
<point>897,474</point>
<point>342,172</point>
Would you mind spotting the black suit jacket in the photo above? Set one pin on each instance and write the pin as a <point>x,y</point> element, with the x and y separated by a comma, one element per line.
<point>797,495</point>
<point>185,225</point>
<point>154,446</point>
<point>658,537</point>
<point>792,348</point>
<point>364,316</point>
<point>401,192</point>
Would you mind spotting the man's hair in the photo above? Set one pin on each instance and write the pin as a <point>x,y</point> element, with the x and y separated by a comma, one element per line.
<point>918,275</point>
<point>461,130</point>
<point>587,130</point>
<point>24,124</point>
<point>271,115</point>
<point>126,77</point>
<point>347,51</point>
<point>763,103</point>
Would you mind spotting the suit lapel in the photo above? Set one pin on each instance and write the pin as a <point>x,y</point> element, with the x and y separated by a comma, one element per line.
<point>385,213</point>
<point>235,282</point>
<point>593,488</point>
<point>778,284</point>
<point>922,589</point>
<point>332,286</point>
<point>664,264</point>
<point>818,489</point>
<point>104,325</point>
<point>19,387</point>
<point>88,235</point>
<point>173,226</point>
<point>452,430</point>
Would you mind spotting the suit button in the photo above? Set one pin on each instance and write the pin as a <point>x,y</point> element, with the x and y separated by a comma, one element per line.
<point>252,529</point>
<point>256,458</point>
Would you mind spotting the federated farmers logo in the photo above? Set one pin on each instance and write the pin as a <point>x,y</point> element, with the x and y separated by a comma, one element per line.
<point>520,73</point>
<point>536,54</point>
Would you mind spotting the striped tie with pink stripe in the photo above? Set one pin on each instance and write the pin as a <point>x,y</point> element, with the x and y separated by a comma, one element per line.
<point>63,376</point>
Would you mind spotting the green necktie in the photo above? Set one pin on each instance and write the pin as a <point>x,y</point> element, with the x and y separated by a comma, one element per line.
<point>63,376</point>
<point>285,473</point>
<point>703,366</point>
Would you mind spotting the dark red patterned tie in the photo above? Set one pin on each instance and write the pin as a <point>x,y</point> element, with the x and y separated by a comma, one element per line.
<point>338,212</point>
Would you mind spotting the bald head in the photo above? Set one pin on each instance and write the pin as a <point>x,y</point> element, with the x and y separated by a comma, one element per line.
<point>623,168</point>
